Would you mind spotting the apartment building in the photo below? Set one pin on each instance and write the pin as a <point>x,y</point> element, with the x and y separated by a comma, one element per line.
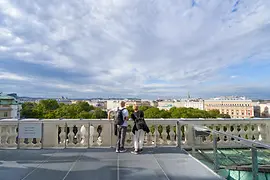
<point>236,107</point>
<point>9,107</point>
<point>138,103</point>
<point>188,103</point>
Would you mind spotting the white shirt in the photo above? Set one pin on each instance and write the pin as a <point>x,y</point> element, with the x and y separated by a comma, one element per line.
<point>125,115</point>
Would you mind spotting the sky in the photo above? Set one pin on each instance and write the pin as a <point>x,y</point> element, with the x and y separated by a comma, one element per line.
<point>147,49</point>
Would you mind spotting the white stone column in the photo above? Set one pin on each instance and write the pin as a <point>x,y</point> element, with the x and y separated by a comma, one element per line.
<point>50,133</point>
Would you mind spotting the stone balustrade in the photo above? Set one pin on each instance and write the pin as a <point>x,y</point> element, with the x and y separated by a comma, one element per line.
<point>76,133</point>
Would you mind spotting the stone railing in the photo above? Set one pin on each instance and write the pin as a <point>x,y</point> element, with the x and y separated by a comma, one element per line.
<point>76,133</point>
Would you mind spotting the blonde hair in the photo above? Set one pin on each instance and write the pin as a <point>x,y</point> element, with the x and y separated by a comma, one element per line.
<point>135,107</point>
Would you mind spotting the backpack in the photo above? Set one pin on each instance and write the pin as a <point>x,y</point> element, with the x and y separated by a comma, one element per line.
<point>139,121</point>
<point>119,120</point>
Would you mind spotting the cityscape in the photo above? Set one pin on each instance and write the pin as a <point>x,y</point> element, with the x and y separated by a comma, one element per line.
<point>235,106</point>
<point>134,90</point>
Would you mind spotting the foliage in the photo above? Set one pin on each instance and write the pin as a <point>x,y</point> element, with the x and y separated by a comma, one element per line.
<point>50,109</point>
<point>183,113</point>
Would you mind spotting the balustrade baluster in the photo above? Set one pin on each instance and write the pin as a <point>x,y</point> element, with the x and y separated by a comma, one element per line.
<point>71,136</point>
<point>91,135</point>
<point>172,135</point>
<point>164,135</point>
<point>62,136</point>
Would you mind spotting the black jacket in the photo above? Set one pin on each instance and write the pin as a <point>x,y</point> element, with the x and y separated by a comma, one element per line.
<point>133,117</point>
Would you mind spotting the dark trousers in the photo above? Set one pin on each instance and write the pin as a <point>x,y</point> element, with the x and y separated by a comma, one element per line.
<point>121,137</point>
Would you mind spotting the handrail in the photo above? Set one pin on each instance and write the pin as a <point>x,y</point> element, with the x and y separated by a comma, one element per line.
<point>204,128</point>
<point>259,144</point>
<point>252,144</point>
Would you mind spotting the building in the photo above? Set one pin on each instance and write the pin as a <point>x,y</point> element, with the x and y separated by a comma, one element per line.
<point>9,107</point>
<point>192,103</point>
<point>98,103</point>
<point>130,102</point>
<point>261,109</point>
<point>187,103</point>
<point>113,104</point>
<point>138,103</point>
<point>236,107</point>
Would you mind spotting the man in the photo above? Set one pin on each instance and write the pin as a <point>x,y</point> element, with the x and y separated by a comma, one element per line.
<point>139,129</point>
<point>121,124</point>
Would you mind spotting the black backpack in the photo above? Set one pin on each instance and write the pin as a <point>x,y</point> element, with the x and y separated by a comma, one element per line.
<point>119,120</point>
<point>139,121</point>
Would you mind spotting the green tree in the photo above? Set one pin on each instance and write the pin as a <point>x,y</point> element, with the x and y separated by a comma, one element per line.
<point>49,104</point>
<point>84,106</point>
<point>152,113</point>
<point>143,108</point>
<point>214,113</point>
<point>165,114</point>
<point>28,110</point>
<point>99,114</point>
<point>84,115</point>
<point>50,115</point>
<point>224,116</point>
<point>130,109</point>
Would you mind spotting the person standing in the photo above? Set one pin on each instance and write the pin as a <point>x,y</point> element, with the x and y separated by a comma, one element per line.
<point>121,118</point>
<point>139,129</point>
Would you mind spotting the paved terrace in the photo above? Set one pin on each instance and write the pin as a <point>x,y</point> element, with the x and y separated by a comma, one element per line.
<point>166,163</point>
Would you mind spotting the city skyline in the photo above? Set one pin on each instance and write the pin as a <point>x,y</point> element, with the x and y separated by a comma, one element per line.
<point>135,48</point>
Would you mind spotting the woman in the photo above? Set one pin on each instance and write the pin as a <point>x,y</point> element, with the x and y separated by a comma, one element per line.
<point>139,129</point>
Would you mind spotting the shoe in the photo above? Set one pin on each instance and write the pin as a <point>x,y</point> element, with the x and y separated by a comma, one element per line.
<point>134,152</point>
<point>117,151</point>
<point>123,150</point>
<point>140,150</point>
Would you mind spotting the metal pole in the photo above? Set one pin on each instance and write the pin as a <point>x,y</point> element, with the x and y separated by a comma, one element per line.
<point>18,144</point>
<point>88,136</point>
<point>215,153</point>
<point>42,134</point>
<point>193,139</point>
<point>254,163</point>
<point>111,133</point>
<point>179,134</point>
<point>66,135</point>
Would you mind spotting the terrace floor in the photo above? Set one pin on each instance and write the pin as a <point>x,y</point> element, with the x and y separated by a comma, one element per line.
<point>101,163</point>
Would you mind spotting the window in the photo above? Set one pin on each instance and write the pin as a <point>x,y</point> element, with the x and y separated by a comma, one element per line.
<point>5,114</point>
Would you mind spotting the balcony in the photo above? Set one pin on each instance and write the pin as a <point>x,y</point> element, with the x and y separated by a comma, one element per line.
<point>83,149</point>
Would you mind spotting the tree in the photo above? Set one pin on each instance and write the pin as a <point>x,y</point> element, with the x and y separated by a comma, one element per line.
<point>28,110</point>
<point>165,114</point>
<point>84,115</point>
<point>84,106</point>
<point>152,113</point>
<point>99,114</point>
<point>130,109</point>
<point>224,116</point>
<point>49,104</point>
<point>214,113</point>
<point>143,108</point>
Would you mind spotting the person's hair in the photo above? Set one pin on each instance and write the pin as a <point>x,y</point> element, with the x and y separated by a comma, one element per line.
<point>123,103</point>
<point>135,107</point>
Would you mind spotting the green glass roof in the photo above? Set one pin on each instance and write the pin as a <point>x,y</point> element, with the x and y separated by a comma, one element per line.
<point>6,97</point>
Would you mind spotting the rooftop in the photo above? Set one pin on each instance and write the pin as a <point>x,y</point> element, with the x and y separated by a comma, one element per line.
<point>101,163</point>
<point>6,97</point>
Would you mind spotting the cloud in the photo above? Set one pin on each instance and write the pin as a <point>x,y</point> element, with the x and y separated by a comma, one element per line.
<point>119,47</point>
<point>11,76</point>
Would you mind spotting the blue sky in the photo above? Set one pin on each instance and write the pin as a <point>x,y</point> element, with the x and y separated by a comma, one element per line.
<point>149,49</point>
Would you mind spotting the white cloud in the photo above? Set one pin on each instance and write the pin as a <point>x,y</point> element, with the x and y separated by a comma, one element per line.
<point>12,77</point>
<point>123,45</point>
